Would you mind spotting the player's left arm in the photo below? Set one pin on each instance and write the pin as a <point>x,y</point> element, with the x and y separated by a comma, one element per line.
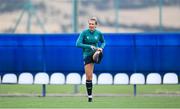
<point>103,43</point>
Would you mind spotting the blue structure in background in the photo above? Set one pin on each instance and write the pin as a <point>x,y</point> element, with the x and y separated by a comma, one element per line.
<point>135,52</point>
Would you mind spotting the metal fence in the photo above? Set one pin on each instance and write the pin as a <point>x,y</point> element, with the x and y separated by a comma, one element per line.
<point>67,16</point>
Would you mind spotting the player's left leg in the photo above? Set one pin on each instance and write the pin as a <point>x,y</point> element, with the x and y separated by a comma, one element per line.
<point>89,72</point>
<point>97,57</point>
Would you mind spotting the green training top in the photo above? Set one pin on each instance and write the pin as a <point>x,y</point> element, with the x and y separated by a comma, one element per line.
<point>88,38</point>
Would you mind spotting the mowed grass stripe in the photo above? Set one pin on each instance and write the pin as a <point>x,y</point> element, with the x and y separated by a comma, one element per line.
<point>97,89</point>
<point>99,102</point>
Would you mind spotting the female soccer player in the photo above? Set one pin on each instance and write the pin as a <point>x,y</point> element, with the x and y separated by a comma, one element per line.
<point>89,41</point>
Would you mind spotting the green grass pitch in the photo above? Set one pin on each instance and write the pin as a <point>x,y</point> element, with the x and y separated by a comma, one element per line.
<point>148,96</point>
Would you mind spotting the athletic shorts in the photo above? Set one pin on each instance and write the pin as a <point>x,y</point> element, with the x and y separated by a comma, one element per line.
<point>89,59</point>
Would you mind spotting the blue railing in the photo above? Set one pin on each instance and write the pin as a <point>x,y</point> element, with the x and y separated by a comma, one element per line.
<point>134,52</point>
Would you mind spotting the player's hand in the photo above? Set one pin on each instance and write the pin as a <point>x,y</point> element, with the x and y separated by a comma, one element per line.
<point>93,47</point>
<point>100,49</point>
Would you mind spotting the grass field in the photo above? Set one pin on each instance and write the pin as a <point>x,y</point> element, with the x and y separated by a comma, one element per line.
<point>81,102</point>
<point>126,100</point>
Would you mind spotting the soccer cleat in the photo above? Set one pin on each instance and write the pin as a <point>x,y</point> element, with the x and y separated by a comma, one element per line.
<point>89,99</point>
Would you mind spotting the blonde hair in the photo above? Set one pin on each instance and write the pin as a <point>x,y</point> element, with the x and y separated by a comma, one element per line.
<point>94,19</point>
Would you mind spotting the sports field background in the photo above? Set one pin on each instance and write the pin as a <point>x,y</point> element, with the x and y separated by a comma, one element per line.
<point>56,16</point>
<point>62,96</point>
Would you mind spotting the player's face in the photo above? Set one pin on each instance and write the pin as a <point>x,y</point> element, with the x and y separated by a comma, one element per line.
<point>92,25</point>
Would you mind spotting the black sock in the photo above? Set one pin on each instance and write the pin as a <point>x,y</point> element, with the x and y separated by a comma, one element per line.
<point>89,87</point>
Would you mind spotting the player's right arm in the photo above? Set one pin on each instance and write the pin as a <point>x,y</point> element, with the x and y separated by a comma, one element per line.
<point>79,42</point>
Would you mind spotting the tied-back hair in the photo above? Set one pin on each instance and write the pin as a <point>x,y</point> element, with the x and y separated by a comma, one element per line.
<point>94,19</point>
